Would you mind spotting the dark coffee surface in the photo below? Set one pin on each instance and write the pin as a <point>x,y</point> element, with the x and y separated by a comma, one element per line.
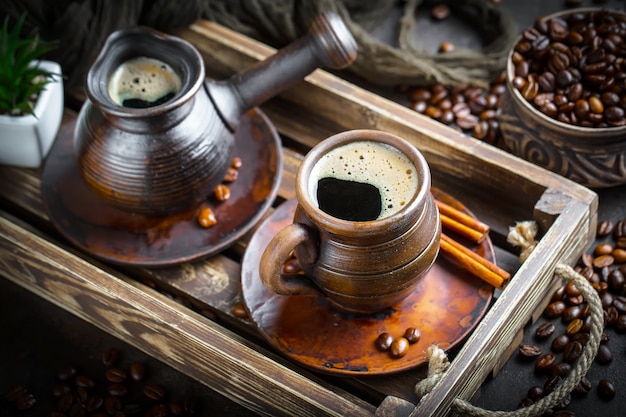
<point>137,103</point>
<point>349,200</point>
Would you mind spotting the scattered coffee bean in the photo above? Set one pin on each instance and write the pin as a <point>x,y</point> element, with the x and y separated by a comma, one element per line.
<point>545,362</point>
<point>221,192</point>
<point>111,356</point>
<point>137,371</point>
<point>528,351</point>
<point>115,375</point>
<point>399,348</point>
<point>604,355</point>
<point>440,12</point>
<point>606,389</point>
<point>383,341</point>
<point>154,392</point>
<point>206,217</point>
<point>412,335</point>
<point>239,310</point>
<point>545,330</point>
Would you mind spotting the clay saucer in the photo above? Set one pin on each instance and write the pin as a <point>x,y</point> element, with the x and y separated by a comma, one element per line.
<point>125,238</point>
<point>445,307</point>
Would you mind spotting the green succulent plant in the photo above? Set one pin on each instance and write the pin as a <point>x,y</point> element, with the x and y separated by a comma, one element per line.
<point>21,80</point>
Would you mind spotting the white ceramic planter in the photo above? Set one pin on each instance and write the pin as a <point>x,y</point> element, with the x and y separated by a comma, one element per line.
<point>26,140</point>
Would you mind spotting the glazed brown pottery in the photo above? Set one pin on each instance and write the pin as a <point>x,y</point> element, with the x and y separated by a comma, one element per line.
<point>168,154</point>
<point>594,156</point>
<point>360,265</point>
<point>445,307</point>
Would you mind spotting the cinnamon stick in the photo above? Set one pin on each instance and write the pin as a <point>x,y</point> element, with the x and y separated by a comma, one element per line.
<point>474,263</point>
<point>462,223</point>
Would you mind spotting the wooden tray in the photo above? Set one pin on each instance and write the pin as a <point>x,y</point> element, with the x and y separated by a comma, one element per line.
<point>225,352</point>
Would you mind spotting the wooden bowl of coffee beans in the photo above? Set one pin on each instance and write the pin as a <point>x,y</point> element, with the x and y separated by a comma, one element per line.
<point>565,107</point>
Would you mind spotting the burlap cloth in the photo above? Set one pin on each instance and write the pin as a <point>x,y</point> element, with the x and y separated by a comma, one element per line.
<point>81,27</point>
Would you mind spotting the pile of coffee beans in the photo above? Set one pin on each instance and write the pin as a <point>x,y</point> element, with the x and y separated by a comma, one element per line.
<point>397,347</point>
<point>471,110</point>
<point>573,68</point>
<point>117,390</point>
<point>206,217</point>
<point>556,352</point>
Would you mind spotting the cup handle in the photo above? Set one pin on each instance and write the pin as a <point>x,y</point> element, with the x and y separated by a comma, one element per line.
<point>278,251</point>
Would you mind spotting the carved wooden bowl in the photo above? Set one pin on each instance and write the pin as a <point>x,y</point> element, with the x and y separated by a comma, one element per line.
<point>592,156</point>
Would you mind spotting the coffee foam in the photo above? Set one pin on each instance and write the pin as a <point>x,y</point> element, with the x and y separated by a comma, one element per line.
<point>375,163</point>
<point>143,78</point>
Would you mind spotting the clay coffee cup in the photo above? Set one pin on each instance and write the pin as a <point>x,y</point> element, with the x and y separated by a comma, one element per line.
<point>366,229</point>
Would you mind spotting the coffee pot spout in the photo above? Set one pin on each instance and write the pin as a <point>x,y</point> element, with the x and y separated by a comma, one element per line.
<point>328,44</point>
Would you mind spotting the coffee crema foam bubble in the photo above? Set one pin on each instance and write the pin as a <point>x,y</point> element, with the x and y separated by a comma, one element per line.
<point>370,162</point>
<point>143,79</point>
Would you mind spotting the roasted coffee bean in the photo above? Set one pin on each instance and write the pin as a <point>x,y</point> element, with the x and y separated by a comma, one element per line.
<point>12,393</point>
<point>572,351</point>
<point>574,327</point>
<point>545,362</point>
<point>604,355</point>
<point>383,341</point>
<point>117,390</point>
<point>206,217</point>
<point>446,47</point>
<point>528,351</point>
<point>239,310</point>
<point>440,12</point>
<point>221,192</point>
<point>66,373</point>
<point>399,348</point>
<point>84,381</point>
<point>60,389</point>
<point>110,357</point>
<point>412,335</point>
<point>559,343</point>
<point>115,375</point>
<point>561,369</point>
<point>554,309</point>
<point>551,383</point>
<point>231,175</point>
<point>620,229</point>
<point>25,401</point>
<point>603,249</point>
<point>65,402</point>
<point>603,261</point>
<point>619,255</point>
<point>112,404</point>
<point>291,266</point>
<point>535,393</point>
<point>558,294</point>
<point>606,389</point>
<point>583,387</point>
<point>545,330</point>
<point>616,281</point>
<point>572,312</point>
<point>155,392</point>
<point>93,403</point>
<point>610,316</point>
<point>158,410</point>
<point>137,371</point>
<point>176,409</point>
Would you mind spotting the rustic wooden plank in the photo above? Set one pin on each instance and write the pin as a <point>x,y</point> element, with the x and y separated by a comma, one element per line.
<point>509,313</point>
<point>158,326</point>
